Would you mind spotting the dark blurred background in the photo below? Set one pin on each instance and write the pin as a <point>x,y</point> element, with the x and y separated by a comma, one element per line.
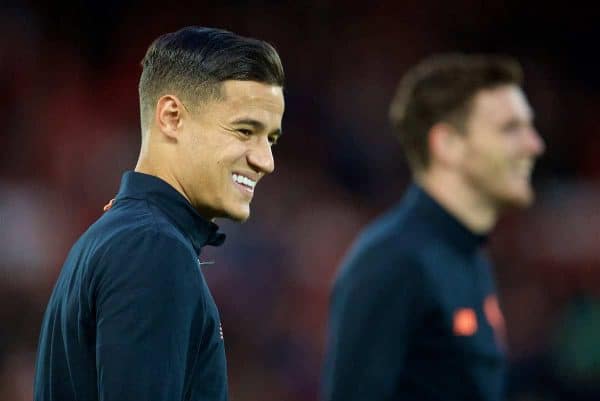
<point>68,96</point>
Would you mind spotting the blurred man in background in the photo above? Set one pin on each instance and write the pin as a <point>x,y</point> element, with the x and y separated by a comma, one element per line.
<point>131,317</point>
<point>414,313</point>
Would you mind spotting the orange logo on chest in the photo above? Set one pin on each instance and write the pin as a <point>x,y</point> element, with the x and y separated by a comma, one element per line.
<point>465,322</point>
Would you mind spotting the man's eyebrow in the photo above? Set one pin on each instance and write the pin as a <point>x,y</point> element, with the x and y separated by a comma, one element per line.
<point>257,125</point>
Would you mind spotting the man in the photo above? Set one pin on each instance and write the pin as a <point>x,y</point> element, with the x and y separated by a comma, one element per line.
<point>131,317</point>
<point>414,314</point>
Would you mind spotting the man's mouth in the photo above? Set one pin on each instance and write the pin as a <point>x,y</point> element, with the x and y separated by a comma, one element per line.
<point>524,169</point>
<point>247,183</point>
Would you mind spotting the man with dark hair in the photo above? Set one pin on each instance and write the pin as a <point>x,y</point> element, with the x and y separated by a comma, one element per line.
<point>131,316</point>
<point>414,313</point>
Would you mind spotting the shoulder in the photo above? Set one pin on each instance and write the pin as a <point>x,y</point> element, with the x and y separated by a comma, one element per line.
<point>132,241</point>
<point>388,253</point>
<point>391,242</point>
<point>133,228</point>
<point>146,261</point>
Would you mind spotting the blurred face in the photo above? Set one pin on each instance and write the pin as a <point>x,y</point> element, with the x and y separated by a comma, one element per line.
<point>501,146</point>
<point>225,148</point>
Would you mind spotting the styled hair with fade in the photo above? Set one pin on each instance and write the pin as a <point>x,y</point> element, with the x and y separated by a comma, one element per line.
<point>192,63</point>
<point>441,89</point>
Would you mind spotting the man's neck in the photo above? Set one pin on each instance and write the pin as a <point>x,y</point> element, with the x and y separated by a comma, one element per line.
<point>144,165</point>
<point>462,201</point>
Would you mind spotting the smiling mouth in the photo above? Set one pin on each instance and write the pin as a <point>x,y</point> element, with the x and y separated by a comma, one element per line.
<point>246,183</point>
<point>524,169</point>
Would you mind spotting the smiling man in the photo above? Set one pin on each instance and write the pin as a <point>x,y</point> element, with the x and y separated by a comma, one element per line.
<point>414,313</point>
<point>131,316</point>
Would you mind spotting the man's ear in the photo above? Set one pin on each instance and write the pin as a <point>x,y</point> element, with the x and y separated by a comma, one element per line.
<point>169,115</point>
<point>446,145</point>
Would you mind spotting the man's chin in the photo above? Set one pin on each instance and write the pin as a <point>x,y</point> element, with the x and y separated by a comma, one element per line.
<point>520,199</point>
<point>240,215</point>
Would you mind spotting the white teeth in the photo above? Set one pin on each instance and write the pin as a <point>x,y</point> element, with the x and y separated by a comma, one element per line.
<point>240,179</point>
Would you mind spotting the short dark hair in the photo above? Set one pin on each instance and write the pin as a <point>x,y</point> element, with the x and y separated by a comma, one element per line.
<point>193,62</point>
<point>440,89</point>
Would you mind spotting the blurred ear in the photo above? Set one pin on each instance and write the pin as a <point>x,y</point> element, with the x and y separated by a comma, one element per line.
<point>169,116</point>
<point>446,145</point>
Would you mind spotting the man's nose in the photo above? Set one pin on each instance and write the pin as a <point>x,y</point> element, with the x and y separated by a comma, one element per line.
<point>535,143</point>
<point>260,156</point>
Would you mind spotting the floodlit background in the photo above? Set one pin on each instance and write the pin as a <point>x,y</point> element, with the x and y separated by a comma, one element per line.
<point>70,127</point>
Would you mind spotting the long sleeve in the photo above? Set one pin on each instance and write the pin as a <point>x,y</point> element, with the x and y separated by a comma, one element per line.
<point>375,307</point>
<point>149,302</point>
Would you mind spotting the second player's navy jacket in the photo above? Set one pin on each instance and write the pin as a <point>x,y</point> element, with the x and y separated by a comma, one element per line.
<point>414,315</point>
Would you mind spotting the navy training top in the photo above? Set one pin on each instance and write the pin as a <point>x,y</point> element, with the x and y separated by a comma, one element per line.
<point>131,316</point>
<point>413,313</point>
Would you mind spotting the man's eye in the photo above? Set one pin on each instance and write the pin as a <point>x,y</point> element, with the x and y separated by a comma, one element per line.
<point>245,132</point>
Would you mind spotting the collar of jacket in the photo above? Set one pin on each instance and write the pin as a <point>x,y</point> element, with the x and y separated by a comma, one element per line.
<point>451,228</point>
<point>201,232</point>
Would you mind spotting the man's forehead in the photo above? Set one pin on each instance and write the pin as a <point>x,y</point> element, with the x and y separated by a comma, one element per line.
<point>251,101</point>
<point>248,103</point>
<point>501,103</point>
<point>252,92</point>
